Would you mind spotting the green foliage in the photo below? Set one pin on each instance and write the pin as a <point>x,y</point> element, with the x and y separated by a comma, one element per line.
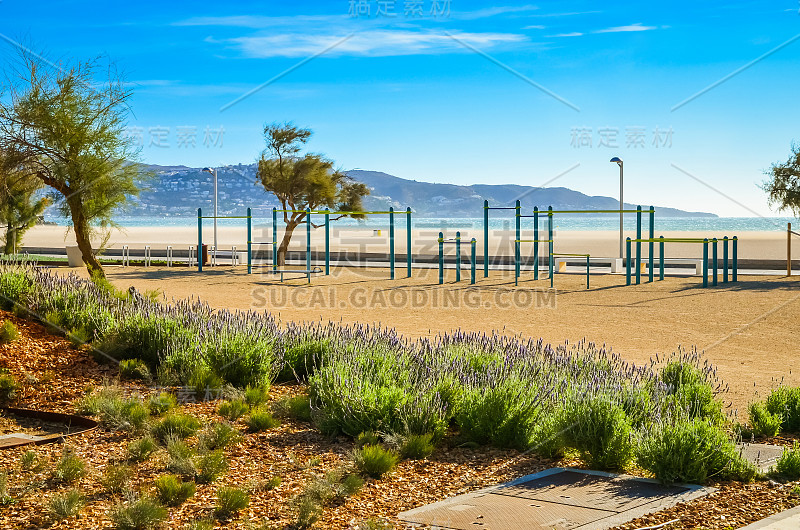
<point>5,498</point>
<point>210,466</point>
<point>162,403</point>
<point>300,359</point>
<point>762,422</point>
<point>232,410</point>
<point>199,525</point>
<point>61,506</point>
<point>69,468</point>
<point>79,336</point>
<point>599,429</point>
<point>783,186</point>
<point>30,461</point>
<point>230,501</point>
<point>134,369</point>
<point>295,407</point>
<point>145,337</point>
<point>785,402</point>
<point>218,435</point>
<point>171,491</point>
<point>261,419</point>
<point>416,446</point>
<point>114,411</point>
<point>175,425</point>
<point>139,514</point>
<point>180,457</point>
<point>256,395</point>
<point>690,451</point>
<point>679,373</point>
<point>8,388</point>
<point>117,478</point>
<point>15,286</point>
<point>367,438</point>
<point>141,449</point>
<point>788,465</point>
<point>697,401</point>
<point>205,382</point>
<point>335,485</point>
<point>8,332</point>
<point>373,523</point>
<point>498,415</point>
<point>20,204</point>
<point>375,461</point>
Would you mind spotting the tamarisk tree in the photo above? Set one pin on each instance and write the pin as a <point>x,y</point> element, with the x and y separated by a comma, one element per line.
<point>784,185</point>
<point>20,207</point>
<point>302,182</point>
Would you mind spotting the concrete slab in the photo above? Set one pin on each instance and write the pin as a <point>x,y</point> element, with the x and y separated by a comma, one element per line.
<point>788,520</point>
<point>18,438</point>
<point>763,456</point>
<point>558,498</point>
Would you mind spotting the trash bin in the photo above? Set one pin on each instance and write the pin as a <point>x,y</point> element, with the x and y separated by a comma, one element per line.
<point>74,257</point>
<point>205,254</point>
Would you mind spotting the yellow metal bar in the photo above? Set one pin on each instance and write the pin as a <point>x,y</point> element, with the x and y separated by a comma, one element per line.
<point>533,241</point>
<point>574,255</point>
<point>548,212</point>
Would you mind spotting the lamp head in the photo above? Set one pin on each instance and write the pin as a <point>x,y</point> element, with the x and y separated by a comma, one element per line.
<point>616,159</point>
<point>207,170</point>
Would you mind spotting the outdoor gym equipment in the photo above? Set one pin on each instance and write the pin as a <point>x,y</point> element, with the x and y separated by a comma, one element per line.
<point>457,242</point>
<point>690,240</point>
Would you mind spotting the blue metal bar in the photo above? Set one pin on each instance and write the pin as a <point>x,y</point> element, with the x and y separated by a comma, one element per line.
<point>725,259</point>
<point>486,239</point>
<point>441,258</point>
<point>391,243</point>
<point>652,245</point>
<point>628,261</point>
<point>550,244</point>
<point>472,261</point>
<point>308,242</point>
<point>408,241</point>
<point>249,242</point>
<point>536,245</point>
<point>517,226</point>
<point>714,261</point>
<point>274,238</point>
<point>638,245</point>
<point>661,258</point>
<point>735,258</point>
<point>458,256</point>
<point>705,262</point>
<point>327,242</point>
<point>199,240</point>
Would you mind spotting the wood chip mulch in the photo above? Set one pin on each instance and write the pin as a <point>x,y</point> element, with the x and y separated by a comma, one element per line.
<point>54,375</point>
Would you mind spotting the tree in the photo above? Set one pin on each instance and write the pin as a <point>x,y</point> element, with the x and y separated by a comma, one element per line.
<point>784,186</point>
<point>19,209</point>
<point>304,182</point>
<point>68,126</point>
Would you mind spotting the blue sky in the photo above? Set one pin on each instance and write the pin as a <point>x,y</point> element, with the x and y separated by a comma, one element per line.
<point>540,93</point>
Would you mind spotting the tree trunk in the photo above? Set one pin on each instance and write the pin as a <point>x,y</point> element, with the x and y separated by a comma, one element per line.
<point>11,238</point>
<point>82,237</point>
<point>284,246</point>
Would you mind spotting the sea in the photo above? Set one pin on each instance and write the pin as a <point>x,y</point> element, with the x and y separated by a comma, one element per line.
<point>728,225</point>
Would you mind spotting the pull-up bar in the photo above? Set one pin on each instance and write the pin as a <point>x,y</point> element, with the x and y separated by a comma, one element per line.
<point>691,240</point>
<point>457,242</point>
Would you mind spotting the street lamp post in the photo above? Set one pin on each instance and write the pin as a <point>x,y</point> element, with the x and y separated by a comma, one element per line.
<point>618,160</point>
<point>214,172</point>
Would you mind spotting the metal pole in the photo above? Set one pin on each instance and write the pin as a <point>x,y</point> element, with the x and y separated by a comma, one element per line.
<point>661,258</point>
<point>714,261</point>
<point>215,211</point>
<point>518,234</point>
<point>516,262</point>
<point>788,249</point>
<point>621,207</point>
<point>638,245</point>
<point>536,245</point>
<point>485,239</point>
<point>587,272</point>
<point>705,263</point>
<point>327,242</point>
<point>441,258</point>
<point>408,241</point>
<point>391,243</point>
<point>550,244</point>
<point>652,243</point>
<point>735,258</point>
<point>458,256</point>
<point>199,240</point>
<point>628,261</point>
<point>249,241</point>
<point>725,259</point>
<point>308,242</point>
<point>472,261</point>
<point>274,238</point>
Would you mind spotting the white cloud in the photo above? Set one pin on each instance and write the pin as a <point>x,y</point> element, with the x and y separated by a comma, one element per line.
<point>493,11</point>
<point>622,29</point>
<point>535,26</point>
<point>570,14</point>
<point>571,34</point>
<point>374,43</point>
<point>260,22</point>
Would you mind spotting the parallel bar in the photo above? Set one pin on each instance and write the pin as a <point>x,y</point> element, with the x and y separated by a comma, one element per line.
<point>485,239</point>
<point>652,243</point>
<point>391,243</point>
<point>226,217</point>
<point>594,211</point>
<point>408,241</point>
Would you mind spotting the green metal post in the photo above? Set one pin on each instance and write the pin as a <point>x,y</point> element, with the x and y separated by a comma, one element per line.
<point>472,261</point>
<point>661,258</point>
<point>441,258</point>
<point>735,259</point>
<point>587,272</point>
<point>517,217</point>
<point>308,242</point>
<point>199,240</point>
<point>249,242</point>
<point>652,243</point>
<point>714,261</point>
<point>274,238</point>
<point>725,259</point>
<point>550,244</point>
<point>638,245</point>
<point>628,261</point>
<point>327,242</point>
<point>705,263</point>
<point>391,243</point>
<point>458,256</point>
<point>536,245</point>
<point>408,241</point>
<point>516,262</point>
<point>485,239</point>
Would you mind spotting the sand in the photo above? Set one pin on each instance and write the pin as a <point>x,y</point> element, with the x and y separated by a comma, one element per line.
<point>752,245</point>
<point>747,329</point>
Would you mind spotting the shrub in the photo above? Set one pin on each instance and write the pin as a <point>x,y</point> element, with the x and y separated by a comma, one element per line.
<point>162,403</point>
<point>309,511</point>
<point>117,478</point>
<point>762,422</point>
<point>232,410</point>
<point>218,435</point>
<point>295,407</point>
<point>69,468</point>
<point>171,491</point>
<point>367,438</point>
<point>375,461</point>
<point>30,461</point>
<point>179,457</point>
<point>679,373</point>
<point>141,449</point>
<point>498,414</point>
<point>690,451</point>
<point>785,402</point>
<point>416,446</point>
<point>66,504</point>
<point>697,400</point>
<point>205,382</point>
<point>230,501</point>
<point>175,425</point>
<point>300,359</point>
<point>788,465</point>
<point>199,525</point>
<point>373,524</point>
<point>256,395</point>
<point>261,420</point>
<point>8,388</point>
<point>134,369</point>
<point>139,514</point>
<point>599,429</point>
<point>5,498</point>
<point>114,411</point>
<point>79,336</point>
<point>210,466</point>
<point>8,332</point>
